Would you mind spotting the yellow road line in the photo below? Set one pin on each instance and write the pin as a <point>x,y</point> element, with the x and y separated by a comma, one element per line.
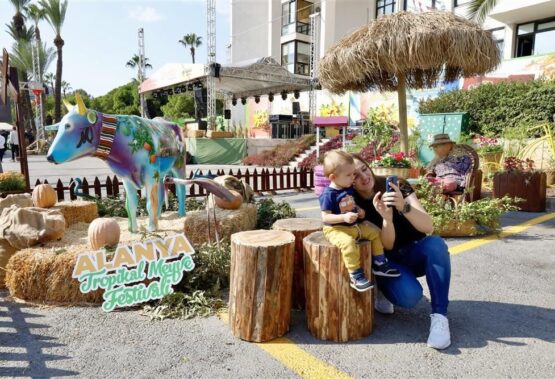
<point>296,359</point>
<point>507,231</point>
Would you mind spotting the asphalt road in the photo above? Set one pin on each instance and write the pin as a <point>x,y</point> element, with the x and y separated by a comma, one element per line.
<point>502,316</point>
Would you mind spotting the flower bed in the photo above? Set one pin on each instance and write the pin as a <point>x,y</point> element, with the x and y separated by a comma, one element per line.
<point>282,154</point>
<point>335,142</point>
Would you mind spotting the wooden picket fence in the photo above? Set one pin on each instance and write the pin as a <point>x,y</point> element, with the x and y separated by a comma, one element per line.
<point>261,181</point>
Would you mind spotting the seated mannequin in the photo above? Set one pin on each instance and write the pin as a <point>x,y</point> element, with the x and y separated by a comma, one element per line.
<point>447,170</point>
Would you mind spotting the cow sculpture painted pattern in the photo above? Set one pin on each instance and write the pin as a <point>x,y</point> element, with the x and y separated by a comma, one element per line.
<point>140,151</point>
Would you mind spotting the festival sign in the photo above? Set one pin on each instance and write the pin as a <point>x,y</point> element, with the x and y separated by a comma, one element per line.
<point>121,273</point>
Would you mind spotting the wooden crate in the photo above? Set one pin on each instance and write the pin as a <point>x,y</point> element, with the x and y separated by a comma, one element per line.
<point>530,186</point>
<point>219,134</point>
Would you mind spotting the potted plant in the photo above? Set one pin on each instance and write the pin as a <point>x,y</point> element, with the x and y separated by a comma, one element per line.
<point>11,182</point>
<point>392,164</point>
<point>490,150</point>
<point>452,219</point>
<point>520,179</point>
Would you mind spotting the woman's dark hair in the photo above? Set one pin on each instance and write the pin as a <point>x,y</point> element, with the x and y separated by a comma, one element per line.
<point>378,180</point>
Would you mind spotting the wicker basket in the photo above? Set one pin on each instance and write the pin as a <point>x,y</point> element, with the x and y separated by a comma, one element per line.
<point>387,171</point>
<point>458,229</point>
<point>196,133</point>
<point>219,134</point>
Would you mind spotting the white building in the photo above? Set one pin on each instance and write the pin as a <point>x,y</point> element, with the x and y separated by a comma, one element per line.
<point>524,30</point>
<point>280,28</point>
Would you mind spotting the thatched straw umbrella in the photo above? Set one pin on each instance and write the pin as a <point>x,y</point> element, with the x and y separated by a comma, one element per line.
<point>406,49</point>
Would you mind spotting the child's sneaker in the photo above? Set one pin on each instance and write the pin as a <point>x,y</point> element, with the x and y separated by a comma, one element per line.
<point>359,281</point>
<point>383,269</point>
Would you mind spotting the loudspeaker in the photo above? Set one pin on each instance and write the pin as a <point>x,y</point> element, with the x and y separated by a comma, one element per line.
<point>296,107</point>
<point>200,102</point>
<point>227,114</point>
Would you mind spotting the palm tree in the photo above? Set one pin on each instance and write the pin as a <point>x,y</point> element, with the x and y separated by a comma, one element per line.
<point>193,41</point>
<point>55,15</point>
<point>18,30</point>
<point>36,14</point>
<point>24,33</point>
<point>66,87</point>
<point>21,57</point>
<point>134,62</point>
<point>19,19</point>
<point>49,79</point>
<point>478,10</point>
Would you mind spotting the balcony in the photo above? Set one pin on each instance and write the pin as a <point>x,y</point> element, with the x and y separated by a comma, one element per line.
<point>515,12</point>
<point>295,27</point>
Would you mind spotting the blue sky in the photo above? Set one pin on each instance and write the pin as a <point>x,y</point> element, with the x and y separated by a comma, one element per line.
<point>101,36</point>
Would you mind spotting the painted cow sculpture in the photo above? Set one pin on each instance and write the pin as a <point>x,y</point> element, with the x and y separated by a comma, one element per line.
<point>140,151</point>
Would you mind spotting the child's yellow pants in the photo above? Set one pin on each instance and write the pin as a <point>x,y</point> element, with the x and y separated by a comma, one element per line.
<point>345,238</point>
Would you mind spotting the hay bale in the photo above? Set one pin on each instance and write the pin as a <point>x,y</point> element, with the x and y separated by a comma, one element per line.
<point>6,252</point>
<point>228,221</point>
<point>43,274</point>
<point>77,211</point>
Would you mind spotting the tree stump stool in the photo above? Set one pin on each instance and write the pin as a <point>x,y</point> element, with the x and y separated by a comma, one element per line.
<point>334,310</point>
<point>261,280</point>
<point>300,227</point>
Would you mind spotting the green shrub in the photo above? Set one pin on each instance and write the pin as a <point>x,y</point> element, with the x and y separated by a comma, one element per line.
<point>269,212</point>
<point>115,206</point>
<point>12,181</point>
<point>200,291</point>
<point>496,107</point>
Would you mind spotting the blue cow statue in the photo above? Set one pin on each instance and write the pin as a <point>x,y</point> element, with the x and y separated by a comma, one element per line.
<point>140,151</point>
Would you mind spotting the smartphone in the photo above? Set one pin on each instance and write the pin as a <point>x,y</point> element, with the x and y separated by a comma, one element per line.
<point>390,179</point>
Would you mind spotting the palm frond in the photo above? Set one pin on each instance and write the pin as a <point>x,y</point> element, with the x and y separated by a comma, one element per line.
<point>478,10</point>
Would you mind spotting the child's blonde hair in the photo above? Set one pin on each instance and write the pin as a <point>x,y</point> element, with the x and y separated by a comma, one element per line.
<point>335,159</point>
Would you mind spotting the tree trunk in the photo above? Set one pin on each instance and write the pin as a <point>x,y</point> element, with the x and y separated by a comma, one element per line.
<point>193,54</point>
<point>402,98</point>
<point>300,227</point>
<point>59,43</point>
<point>334,310</point>
<point>26,106</point>
<point>261,280</point>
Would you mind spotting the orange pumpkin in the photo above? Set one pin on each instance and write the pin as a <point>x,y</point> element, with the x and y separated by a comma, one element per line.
<point>103,232</point>
<point>44,196</point>
<point>234,204</point>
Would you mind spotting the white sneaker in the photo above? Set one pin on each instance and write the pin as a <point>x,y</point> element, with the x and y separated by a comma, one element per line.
<point>383,305</point>
<point>440,337</point>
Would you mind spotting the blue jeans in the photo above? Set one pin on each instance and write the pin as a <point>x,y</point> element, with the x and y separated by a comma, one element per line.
<point>429,257</point>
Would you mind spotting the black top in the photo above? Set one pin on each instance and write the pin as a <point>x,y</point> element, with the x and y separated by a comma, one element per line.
<point>405,233</point>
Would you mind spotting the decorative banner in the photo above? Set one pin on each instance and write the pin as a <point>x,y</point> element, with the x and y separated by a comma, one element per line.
<point>121,273</point>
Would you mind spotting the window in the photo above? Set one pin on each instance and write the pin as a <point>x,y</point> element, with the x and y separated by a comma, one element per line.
<point>384,7</point>
<point>535,38</point>
<point>461,2</point>
<point>295,56</point>
<point>302,63</point>
<point>498,35</point>
<point>295,17</point>
<point>288,56</point>
<point>424,5</point>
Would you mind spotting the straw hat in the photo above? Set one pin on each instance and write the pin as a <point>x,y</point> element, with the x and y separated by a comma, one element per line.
<point>440,139</point>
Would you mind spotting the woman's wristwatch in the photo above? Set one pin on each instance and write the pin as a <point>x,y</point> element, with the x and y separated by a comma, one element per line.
<point>406,208</point>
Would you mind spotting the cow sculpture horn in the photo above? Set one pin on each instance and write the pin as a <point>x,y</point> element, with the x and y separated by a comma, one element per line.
<point>81,108</point>
<point>68,105</point>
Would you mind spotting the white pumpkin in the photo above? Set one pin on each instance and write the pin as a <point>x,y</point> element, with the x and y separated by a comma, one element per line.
<point>103,232</point>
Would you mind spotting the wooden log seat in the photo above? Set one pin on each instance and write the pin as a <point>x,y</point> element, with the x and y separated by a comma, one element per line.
<point>334,310</point>
<point>300,227</point>
<point>260,284</point>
